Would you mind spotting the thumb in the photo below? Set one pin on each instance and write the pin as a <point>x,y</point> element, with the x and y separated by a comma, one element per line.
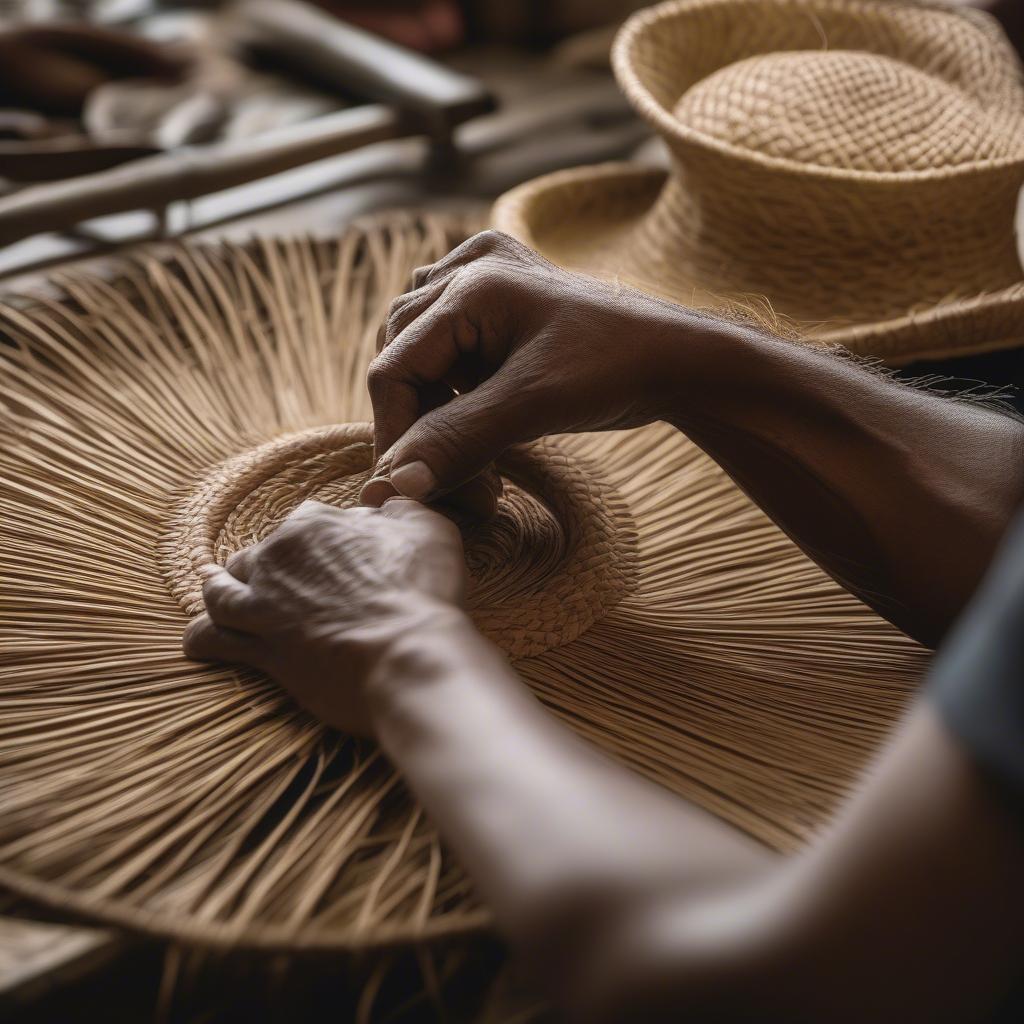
<point>458,440</point>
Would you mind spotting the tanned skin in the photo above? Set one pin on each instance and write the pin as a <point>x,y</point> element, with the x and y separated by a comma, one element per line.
<point>629,902</point>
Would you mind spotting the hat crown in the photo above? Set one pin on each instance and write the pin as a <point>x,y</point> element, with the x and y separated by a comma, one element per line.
<point>856,86</point>
<point>844,110</point>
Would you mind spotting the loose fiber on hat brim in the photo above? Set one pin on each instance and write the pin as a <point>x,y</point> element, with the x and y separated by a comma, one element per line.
<point>606,220</point>
<point>195,801</point>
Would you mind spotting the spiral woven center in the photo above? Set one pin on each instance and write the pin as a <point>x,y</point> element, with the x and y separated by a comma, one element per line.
<point>559,553</point>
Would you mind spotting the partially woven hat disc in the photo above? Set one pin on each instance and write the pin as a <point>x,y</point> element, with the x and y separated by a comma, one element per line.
<point>177,414</point>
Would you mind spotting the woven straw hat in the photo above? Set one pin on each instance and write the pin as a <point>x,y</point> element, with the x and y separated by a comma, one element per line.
<point>178,412</point>
<point>853,164</point>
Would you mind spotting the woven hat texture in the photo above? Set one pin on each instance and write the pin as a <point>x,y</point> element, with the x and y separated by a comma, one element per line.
<point>181,411</point>
<point>852,164</point>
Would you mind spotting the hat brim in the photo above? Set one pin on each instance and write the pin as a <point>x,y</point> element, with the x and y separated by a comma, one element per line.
<point>595,220</point>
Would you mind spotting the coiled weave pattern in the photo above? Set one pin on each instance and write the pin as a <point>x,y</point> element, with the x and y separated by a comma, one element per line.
<point>560,551</point>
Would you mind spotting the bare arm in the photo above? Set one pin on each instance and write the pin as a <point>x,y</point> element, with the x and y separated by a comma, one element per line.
<point>630,904</point>
<point>900,494</point>
<point>908,910</point>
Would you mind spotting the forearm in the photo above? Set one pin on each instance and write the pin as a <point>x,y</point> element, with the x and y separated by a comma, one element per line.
<point>632,903</point>
<point>868,923</point>
<point>557,837</point>
<point>900,494</point>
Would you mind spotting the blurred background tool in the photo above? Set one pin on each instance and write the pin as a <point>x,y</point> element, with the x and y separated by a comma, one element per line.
<point>248,108</point>
<point>415,96</point>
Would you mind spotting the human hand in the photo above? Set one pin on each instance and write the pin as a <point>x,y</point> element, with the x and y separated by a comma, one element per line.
<point>319,602</point>
<point>494,346</point>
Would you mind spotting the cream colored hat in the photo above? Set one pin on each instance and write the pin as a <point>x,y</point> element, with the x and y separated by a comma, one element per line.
<point>854,164</point>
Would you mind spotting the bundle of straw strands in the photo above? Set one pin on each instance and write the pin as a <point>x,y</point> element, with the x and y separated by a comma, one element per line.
<point>181,410</point>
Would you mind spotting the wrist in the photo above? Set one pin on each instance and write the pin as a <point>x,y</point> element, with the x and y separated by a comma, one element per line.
<point>424,641</point>
<point>698,358</point>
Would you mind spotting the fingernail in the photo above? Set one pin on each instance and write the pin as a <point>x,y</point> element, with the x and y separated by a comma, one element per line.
<point>375,492</point>
<point>385,456</point>
<point>415,480</point>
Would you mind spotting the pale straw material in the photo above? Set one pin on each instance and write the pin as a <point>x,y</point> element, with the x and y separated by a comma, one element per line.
<point>180,412</point>
<point>854,165</point>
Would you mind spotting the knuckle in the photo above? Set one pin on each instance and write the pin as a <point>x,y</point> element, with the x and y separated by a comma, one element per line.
<point>219,601</point>
<point>421,275</point>
<point>394,308</point>
<point>213,590</point>
<point>237,559</point>
<point>472,286</point>
<point>508,247</point>
<point>194,641</point>
<point>297,536</point>
<point>472,280</point>
<point>286,537</point>
<point>284,543</point>
<point>309,508</point>
<point>377,375</point>
<point>483,243</point>
<point>491,240</point>
<point>480,244</point>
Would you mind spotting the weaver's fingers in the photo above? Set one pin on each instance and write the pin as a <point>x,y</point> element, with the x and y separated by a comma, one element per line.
<point>412,511</point>
<point>406,308</point>
<point>229,601</point>
<point>429,347</point>
<point>421,357</point>
<point>484,243</point>
<point>206,641</point>
<point>477,498</point>
<point>457,442</point>
<point>309,509</point>
<point>240,564</point>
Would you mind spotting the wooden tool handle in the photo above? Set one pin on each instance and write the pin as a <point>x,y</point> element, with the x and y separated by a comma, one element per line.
<point>316,44</point>
<point>192,171</point>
